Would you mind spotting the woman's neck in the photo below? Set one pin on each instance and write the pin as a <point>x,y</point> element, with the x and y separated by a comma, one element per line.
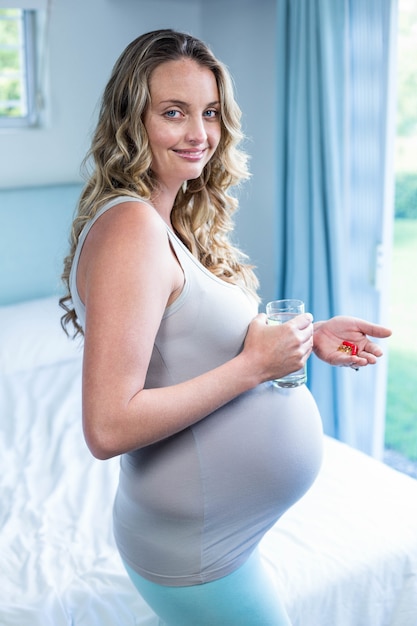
<point>163,201</point>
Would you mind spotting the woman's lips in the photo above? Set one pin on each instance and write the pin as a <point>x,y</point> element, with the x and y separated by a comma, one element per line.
<point>193,155</point>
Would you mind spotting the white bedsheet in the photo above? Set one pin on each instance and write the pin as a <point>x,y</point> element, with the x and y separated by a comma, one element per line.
<point>345,555</point>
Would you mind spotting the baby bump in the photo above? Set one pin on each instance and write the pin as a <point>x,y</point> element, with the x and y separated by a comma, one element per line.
<point>194,506</point>
<point>261,451</point>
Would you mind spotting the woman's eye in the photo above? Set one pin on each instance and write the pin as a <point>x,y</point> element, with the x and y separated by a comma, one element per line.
<point>211,113</point>
<point>172,114</point>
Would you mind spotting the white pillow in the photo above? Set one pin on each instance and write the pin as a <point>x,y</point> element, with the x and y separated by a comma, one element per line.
<point>31,336</point>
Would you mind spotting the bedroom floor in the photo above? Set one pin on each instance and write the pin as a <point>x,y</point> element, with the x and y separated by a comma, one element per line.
<point>400,463</point>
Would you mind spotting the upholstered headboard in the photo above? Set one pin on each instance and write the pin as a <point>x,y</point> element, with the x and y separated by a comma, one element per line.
<point>34,230</point>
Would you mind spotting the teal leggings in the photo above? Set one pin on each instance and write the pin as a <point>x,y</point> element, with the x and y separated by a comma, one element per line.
<point>246,597</point>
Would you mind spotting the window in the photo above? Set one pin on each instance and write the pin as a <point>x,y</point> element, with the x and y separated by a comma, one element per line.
<point>17,68</point>
<point>401,423</point>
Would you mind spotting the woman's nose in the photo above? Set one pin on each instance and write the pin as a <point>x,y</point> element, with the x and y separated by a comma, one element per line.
<point>196,132</point>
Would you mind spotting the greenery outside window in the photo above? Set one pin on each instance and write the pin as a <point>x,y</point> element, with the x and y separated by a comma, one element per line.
<point>17,69</point>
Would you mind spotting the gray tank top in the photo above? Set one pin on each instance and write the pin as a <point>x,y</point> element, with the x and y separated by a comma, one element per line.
<point>192,508</point>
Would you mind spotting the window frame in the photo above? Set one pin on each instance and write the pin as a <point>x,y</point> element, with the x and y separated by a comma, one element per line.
<point>28,76</point>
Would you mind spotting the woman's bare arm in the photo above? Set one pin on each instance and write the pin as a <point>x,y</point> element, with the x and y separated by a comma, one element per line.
<point>127,275</point>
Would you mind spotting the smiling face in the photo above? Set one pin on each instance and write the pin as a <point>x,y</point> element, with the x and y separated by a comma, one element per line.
<point>182,121</point>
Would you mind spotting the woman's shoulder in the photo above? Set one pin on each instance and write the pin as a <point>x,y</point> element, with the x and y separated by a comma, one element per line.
<point>127,239</point>
<point>128,227</point>
<point>120,205</point>
<point>130,217</point>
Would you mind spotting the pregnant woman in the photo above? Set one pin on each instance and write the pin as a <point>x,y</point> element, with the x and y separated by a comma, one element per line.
<point>177,361</point>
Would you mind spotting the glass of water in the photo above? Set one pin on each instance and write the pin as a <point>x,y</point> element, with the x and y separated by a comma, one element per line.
<point>279,312</point>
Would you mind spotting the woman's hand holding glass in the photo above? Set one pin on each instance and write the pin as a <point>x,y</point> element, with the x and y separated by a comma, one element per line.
<point>275,351</point>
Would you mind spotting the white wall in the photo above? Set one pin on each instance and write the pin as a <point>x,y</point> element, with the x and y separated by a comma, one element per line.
<point>85,38</point>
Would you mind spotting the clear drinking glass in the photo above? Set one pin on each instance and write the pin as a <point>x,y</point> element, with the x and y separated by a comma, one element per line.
<point>279,312</point>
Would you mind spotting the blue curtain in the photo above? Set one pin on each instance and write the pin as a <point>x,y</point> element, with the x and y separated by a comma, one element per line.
<point>334,179</point>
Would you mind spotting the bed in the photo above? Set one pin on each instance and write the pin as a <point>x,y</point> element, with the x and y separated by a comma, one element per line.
<point>345,555</point>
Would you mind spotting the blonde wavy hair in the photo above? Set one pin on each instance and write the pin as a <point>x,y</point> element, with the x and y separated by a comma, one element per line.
<point>122,161</point>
